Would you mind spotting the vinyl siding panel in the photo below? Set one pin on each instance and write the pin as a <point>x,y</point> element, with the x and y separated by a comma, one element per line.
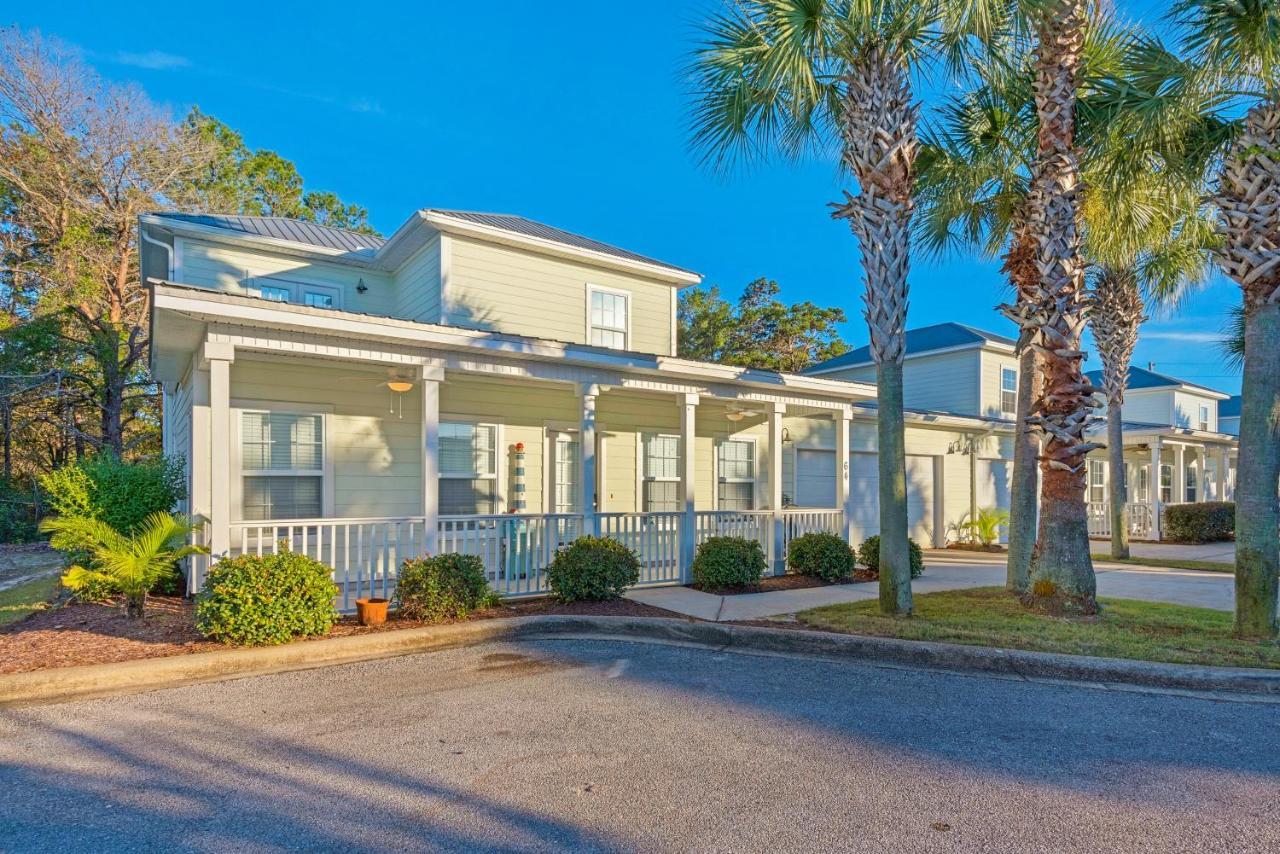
<point>949,382</point>
<point>1186,410</point>
<point>1148,407</point>
<point>510,290</point>
<point>418,285</point>
<point>177,434</point>
<point>236,270</point>
<point>992,365</point>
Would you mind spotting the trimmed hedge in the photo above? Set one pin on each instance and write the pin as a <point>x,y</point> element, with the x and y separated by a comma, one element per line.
<point>726,562</point>
<point>592,569</point>
<point>254,600</point>
<point>869,556</point>
<point>1203,522</point>
<point>825,556</point>
<point>443,587</point>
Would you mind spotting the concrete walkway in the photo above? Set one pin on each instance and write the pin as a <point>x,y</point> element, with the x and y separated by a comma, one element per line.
<point>947,571</point>
<point>1215,552</point>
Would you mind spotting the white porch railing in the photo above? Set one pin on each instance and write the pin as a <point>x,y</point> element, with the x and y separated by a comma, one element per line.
<point>1140,519</point>
<point>515,548</point>
<point>796,523</point>
<point>654,537</point>
<point>749,524</point>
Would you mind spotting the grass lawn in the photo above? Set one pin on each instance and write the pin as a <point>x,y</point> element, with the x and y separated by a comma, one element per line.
<point>1127,628</point>
<point>1170,563</point>
<point>17,602</point>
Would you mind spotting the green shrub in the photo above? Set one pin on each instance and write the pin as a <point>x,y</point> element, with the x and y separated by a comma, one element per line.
<point>1205,522</point>
<point>443,587</point>
<point>592,569</point>
<point>121,494</point>
<point>825,556</point>
<point>869,556</point>
<point>253,600</point>
<point>726,562</point>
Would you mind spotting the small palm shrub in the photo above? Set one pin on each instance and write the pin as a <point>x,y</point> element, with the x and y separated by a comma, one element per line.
<point>592,569</point>
<point>726,562</point>
<point>1203,522</point>
<point>444,587</point>
<point>118,562</point>
<point>869,556</point>
<point>825,556</point>
<point>985,527</point>
<point>254,600</point>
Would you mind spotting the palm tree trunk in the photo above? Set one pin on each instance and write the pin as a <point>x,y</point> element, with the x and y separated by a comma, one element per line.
<point>1257,518</point>
<point>1118,487</point>
<point>134,605</point>
<point>895,555</point>
<point>1023,502</point>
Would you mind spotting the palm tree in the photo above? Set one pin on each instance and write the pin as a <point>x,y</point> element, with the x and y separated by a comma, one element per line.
<point>133,565</point>
<point>794,74</point>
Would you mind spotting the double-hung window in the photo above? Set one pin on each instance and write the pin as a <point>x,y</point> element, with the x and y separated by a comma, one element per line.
<point>736,464</point>
<point>1142,484</point>
<point>1204,416</point>
<point>1166,483</point>
<point>1191,484</point>
<point>468,468</point>
<point>282,465</point>
<point>1097,481</point>
<point>661,474</point>
<point>608,314</point>
<point>1009,391</point>
<point>566,483</point>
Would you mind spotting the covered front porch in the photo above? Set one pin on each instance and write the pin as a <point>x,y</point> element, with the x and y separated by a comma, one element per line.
<point>1163,466</point>
<point>363,454</point>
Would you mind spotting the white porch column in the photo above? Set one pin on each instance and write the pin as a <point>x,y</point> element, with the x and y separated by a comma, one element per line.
<point>688,443</point>
<point>775,486</point>
<point>219,356</point>
<point>1220,474</point>
<point>431,377</point>
<point>1180,474</point>
<point>1153,485</point>
<point>844,498</point>
<point>587,451</point>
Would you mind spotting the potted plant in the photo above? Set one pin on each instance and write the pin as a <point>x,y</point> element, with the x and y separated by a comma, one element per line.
<point>372,611</point>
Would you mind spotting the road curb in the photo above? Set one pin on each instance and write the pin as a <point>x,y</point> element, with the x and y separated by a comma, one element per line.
<point>75,683</point>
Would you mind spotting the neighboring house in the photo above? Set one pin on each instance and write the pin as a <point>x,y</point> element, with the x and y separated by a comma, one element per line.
<point>1229,415</point>
<point>488,384</point>
<point>1177,450</point>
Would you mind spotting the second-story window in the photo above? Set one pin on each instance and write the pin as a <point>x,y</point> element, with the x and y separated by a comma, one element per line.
<point>1204,416</point>
<point>608,314</point>
<point>1009,391</point>
<point>270,292</point>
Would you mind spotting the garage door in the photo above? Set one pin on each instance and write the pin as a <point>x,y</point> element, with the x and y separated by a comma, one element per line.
<point>920,489</point>
<point>815,478</point>
<point>994,480</point>
<point>864,483</point>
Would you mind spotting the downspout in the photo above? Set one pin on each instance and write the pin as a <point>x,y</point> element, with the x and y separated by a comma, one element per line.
<point>168,250</point>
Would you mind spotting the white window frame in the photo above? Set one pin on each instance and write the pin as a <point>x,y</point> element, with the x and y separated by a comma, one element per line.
<point>754,480</point>
<point>238,408</point>
<point>592,290</point>
<point>1204,417</point>
<point>297,290</point>
<point>1160,487</point>
<point>1099,468</point>
<point>1190,484</point>
<point>1141,484</point>
<point>1004,372</point>
<point>643,466</point>
<point>499,460</point>
<point>552,443</point>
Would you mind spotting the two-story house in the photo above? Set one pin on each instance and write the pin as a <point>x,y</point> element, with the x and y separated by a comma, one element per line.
<point>489,384</point>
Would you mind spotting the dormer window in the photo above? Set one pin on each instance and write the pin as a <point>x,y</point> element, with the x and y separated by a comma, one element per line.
<point>608,317</point>
<point>1009,391</point>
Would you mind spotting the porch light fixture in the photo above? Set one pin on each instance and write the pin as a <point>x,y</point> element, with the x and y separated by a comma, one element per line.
<point>361,287</point>
<point>398,388</point>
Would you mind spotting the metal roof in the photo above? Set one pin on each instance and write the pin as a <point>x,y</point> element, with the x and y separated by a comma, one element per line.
<point>1142,378</point>
<point>941,336</point>
<point>283,228</point>
<point>531,228</point>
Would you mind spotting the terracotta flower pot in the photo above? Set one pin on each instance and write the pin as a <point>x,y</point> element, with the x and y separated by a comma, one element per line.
<point>372,612</point>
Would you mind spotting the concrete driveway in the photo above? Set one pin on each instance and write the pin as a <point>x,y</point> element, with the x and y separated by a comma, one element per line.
<point>594,745</point>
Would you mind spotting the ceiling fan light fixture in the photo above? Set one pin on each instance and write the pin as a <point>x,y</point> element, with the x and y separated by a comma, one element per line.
<point>399,386</point>
<point>735,415</point>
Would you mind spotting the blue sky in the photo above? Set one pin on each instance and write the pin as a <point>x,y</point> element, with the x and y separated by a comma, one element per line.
<point>572,113</point>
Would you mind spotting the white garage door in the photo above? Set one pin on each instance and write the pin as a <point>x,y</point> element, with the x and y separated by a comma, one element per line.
<point>920,489</point>
<point>864,483</point>
<point>994,480</point>
<point>815,478</point>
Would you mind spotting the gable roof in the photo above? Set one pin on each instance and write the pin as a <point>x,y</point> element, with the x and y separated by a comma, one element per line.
<point>341,239</point>
<point>926,339</point>
<point>1141,378</point>
<point>1229,408</point>
<point>282,228</point>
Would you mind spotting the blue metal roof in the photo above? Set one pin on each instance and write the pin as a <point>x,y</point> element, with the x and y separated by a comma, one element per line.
<point>941,336</point>
<point>1142,378</point>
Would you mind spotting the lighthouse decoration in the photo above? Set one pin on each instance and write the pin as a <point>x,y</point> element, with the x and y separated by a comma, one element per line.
<point>518,504</point>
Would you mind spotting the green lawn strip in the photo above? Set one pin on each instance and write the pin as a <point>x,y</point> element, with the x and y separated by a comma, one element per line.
<point>1127,628</point>
<point>1170,563</point>
<point>23,599</point>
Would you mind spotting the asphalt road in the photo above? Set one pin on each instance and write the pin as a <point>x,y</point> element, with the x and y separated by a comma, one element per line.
<point>606,745</point>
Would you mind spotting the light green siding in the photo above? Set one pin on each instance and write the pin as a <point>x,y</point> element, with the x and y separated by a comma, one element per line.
<point>948,382</point>
<point>512,290</point>
<point>418,284</point>
<point>992,365</point>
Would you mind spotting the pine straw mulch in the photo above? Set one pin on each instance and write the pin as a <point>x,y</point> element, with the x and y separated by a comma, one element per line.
<point>76,633</point>
<point>790,581</point>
